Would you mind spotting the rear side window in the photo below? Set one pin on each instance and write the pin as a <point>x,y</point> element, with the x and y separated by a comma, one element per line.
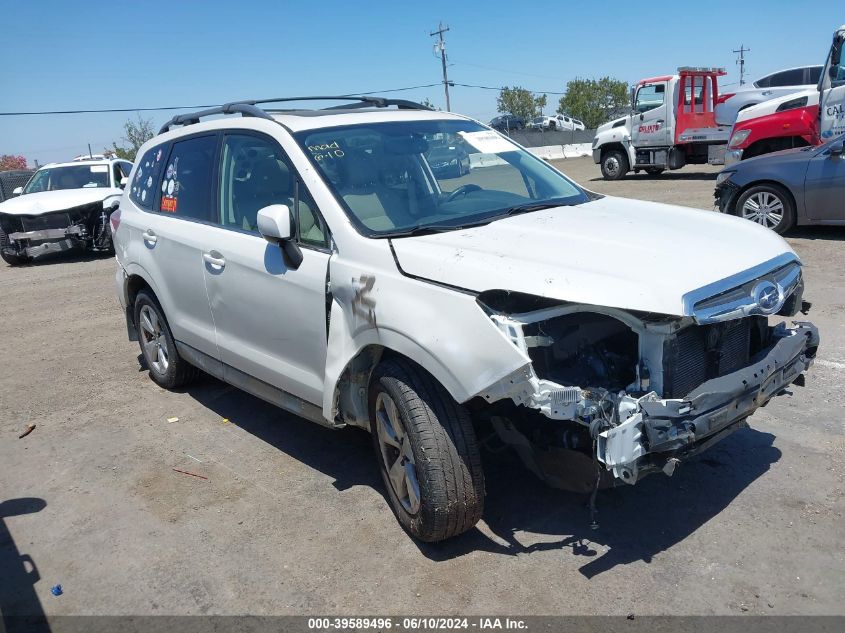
<point>815,74</point>
<point>787,78</point>
<point>187,182</point>
<point>146,178</point>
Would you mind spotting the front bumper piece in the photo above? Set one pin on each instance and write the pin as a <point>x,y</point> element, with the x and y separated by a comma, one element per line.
<point>662,432</point>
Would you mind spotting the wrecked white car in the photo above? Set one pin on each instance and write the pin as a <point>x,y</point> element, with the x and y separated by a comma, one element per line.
<point>63,206</point>
<point>315,258</point>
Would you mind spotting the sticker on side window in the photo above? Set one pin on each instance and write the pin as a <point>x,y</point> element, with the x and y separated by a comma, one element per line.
<point>488,142</point>
<point>168,204</point>
<point>99,169</point>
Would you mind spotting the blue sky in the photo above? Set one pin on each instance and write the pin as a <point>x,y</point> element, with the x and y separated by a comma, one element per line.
<point>96,54</point>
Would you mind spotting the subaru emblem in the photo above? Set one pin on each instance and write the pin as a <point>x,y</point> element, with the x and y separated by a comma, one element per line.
<point>767,296</point>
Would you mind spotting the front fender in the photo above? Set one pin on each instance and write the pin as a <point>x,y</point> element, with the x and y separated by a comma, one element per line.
<point>442,329</point>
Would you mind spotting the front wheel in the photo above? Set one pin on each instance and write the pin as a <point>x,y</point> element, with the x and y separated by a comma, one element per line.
<point>768,205</point>
<point>614,164</point>
<point>9,258</point>
<point>427,452</point>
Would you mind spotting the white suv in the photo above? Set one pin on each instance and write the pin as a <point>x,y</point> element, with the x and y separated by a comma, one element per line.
<point>315,259</point>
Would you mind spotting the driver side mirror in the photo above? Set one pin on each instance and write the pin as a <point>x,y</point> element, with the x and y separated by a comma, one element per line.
<point>274,224</point>
<point>17,191</point>
<point>836,150</point>
<point>123,182</point>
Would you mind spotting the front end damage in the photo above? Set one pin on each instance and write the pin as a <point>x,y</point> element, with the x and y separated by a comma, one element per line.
<point>85,226</point>
<point>636,393</point>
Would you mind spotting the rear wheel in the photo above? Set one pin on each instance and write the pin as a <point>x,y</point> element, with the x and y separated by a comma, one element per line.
<point>768,205</point>
<point>614,164</point>
<point>427,452</point>
<point>9,258</point>
<point>167,368</point>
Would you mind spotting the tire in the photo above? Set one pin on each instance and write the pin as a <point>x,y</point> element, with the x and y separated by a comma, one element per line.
<point>437,453</point>
<point>614,164</point>
<point>654,171</point>
<point>156,340</point>
<point>12,260</point>
<point>769,205</point>
<point>552,125</point>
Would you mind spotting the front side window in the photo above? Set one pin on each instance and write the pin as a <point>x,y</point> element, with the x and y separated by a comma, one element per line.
<point>255,173</point>
<point>650,97</point>
<point>420,176</point>
<point>83,176</point>
<point>187,181</point>
<point>142,188</point>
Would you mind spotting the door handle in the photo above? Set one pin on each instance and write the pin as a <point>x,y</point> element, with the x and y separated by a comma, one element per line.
<point>149,236</point>
<point>214,259</point>
<point>660,121</point>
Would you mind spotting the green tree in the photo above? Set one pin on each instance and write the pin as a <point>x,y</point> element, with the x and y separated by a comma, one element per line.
<point>429,104</point>
<point>137,133</point>
<point>519,102</point>
<point>594,101</point>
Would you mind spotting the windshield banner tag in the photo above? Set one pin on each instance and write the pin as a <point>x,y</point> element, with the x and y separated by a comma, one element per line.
<point>99,169</point>
<point>488,142</point>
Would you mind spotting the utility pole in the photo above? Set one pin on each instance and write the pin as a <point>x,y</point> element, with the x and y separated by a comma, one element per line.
<point>440,47</point>
<point>741,61</point>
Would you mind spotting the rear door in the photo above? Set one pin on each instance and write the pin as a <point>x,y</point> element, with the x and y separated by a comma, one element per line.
<point>174,184</point>
<point>651,105</point>
<point>824,193</point>
<point>270,318</point>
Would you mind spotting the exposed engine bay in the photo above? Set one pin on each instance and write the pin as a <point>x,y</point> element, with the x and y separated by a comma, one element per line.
<point>632,393</point>
<point>85,226</point>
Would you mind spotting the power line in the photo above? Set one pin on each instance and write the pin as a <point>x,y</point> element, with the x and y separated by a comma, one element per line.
<point>196,107</point>
<point>200,107</point>
<point>548,92</point>
<point>193,107</point>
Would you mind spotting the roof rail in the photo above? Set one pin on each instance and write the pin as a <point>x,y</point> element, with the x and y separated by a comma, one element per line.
<point>245,109</point>
<point>249,107</point>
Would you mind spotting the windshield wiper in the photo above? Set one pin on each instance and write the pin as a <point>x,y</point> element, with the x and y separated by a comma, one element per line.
<point>529,207</point>
<point>424,229</point>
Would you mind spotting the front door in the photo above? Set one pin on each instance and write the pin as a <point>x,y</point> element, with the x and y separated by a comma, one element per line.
<point>824,194</point>
<point>270,318</point>
<point>650,126</point>
<point>832,103</point>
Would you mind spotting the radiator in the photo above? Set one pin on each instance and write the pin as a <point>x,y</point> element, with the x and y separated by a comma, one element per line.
<point>701,352</point>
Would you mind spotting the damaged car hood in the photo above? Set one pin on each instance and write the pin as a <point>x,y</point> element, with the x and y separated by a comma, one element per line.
<point>51,201</point>
<point>612,252</point>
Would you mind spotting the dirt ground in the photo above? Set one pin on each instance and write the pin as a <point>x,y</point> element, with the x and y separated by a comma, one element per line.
<point>291,518</point>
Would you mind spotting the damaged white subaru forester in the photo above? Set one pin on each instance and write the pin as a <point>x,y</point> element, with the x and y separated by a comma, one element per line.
<point>348,265</point>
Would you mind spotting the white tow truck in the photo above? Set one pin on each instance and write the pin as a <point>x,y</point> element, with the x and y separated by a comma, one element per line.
<point>672,123</point>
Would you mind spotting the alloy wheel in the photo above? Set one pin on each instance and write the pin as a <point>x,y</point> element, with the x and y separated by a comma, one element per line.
<point>764,208</point>
<point>396,453</point>
<point>154,340</point>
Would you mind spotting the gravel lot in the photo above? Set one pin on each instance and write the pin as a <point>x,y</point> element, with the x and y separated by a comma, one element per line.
<point>291,518</point>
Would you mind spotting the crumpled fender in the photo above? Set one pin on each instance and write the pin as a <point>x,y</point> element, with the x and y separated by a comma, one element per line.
<point>441,329</point>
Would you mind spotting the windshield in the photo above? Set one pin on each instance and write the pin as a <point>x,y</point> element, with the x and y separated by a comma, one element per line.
<point>70,177</point>
<point>399,178</point>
